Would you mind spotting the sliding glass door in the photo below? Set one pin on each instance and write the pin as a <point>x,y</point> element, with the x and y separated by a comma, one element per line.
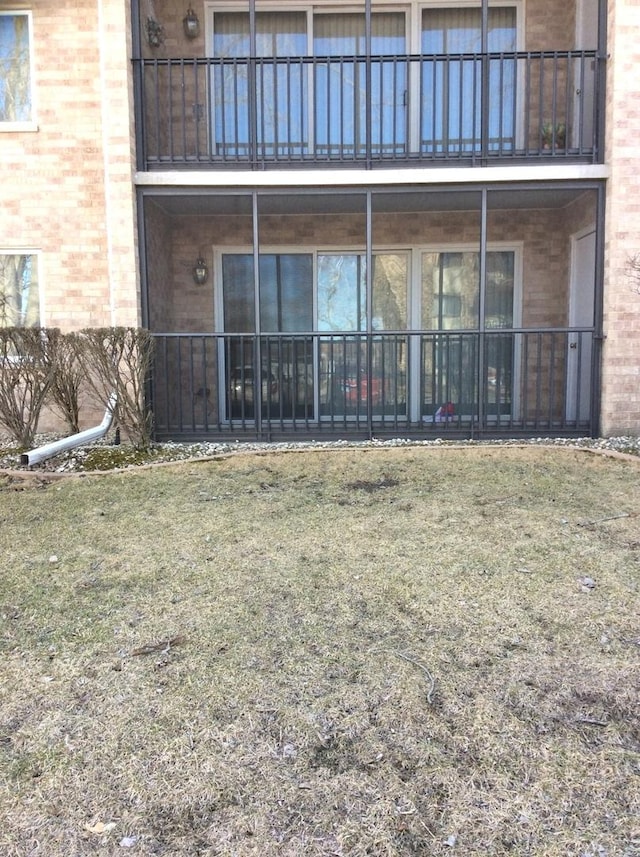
<point>286,372</point>
<point>361,375</point>
<point>328,350</point>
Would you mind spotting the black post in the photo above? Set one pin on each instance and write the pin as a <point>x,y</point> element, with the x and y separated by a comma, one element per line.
<point>484,95</point>
<point>252,86</point>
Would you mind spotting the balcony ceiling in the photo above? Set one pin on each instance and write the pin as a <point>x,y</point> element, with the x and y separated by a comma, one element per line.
<point>300,202</point>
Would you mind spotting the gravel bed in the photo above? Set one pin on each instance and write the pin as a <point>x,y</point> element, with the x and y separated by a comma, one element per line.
<point>104,455</point>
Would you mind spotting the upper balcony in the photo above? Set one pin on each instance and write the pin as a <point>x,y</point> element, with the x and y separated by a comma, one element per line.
<point>313,87</point>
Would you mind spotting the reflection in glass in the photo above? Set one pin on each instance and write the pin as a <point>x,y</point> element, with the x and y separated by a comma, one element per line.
<point>451,302</point>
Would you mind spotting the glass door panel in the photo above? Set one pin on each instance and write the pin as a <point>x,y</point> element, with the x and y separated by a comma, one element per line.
<point>499,315</point>
<point>286,306</point>
<point>356,373</point>
<point>275,371</point>
<point>280,115</point>
<point>340,109</point>
<point>451,302</point>
<point>239,354</point>
<point>452,82</point>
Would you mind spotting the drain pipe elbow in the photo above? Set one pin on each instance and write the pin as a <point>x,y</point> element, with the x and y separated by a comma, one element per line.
<point>35,456</point>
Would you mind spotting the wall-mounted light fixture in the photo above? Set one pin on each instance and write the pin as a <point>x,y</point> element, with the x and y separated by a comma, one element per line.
<point>191,24</point>
<point>200,272</point>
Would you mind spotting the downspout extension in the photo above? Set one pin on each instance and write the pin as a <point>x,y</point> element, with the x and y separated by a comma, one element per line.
<point>35,456</point>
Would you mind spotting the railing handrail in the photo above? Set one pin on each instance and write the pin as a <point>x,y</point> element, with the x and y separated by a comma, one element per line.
<point>363,334</point>
<point>589,53</point>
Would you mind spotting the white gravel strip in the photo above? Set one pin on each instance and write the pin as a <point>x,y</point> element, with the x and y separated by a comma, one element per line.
<point>73,460</point>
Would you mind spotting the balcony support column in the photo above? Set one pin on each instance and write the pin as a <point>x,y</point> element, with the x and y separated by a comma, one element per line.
<point>369,286</point>
<point>252,86</point>
<point>368,80</point>
<point>484,93</point>
<point>257,357</point>
<point>598,312</point>
<point>481,309</point>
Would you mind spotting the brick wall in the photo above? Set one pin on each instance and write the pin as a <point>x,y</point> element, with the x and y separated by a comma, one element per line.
<point>621,355</point>
<point>68,200</point>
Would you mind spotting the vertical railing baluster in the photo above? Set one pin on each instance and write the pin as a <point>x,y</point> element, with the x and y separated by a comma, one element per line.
<point>568,99</point>
<point>527,106</point>
<point>180,386</point>
<point>541,116</point>
<point>158,111</point>
<point>196,108</point>
<point>581,104</point>
<point>552,360</point>
<point>219,73</point>
<point>554,102</point>
<point>170,119</point>
<point>183,109</point>
<point>165,380</point>
<point>192,389</point>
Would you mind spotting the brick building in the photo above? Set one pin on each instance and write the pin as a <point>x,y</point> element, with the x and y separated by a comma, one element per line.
<point>337,219</point>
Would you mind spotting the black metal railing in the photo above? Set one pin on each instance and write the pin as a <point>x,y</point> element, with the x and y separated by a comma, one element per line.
<point>428,383</point>
<point>252,113</point>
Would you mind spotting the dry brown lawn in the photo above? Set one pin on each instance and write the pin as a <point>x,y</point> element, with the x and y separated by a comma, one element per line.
<point>363,652</point>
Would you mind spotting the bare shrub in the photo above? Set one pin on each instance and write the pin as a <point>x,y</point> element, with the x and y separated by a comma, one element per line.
<point>118,360</point>
<point>25,381</point>
<point>67,375</point>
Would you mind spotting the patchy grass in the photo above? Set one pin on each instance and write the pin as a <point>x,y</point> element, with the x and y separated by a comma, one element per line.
<point>363,652</point>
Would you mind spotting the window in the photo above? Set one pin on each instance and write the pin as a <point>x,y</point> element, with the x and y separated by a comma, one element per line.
<point>19,292</point>
<point>16,97</point>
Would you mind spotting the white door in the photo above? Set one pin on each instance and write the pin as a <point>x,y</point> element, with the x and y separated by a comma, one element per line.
<point>581,314</point>
<point>584,79</point>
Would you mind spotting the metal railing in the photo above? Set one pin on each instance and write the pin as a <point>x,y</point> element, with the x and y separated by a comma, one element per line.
<point>252,113</point>
<point>424,383</point>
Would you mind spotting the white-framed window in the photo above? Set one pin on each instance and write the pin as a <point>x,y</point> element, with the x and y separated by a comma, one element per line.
<point>20,293</point>
<point>17,108</point>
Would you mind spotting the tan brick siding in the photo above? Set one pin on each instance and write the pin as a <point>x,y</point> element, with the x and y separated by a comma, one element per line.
<point>621,357</point>
<point>67,199</point>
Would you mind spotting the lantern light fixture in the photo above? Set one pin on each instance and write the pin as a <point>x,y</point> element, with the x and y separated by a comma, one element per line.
<point>191,24</point>
<point>200,272</point>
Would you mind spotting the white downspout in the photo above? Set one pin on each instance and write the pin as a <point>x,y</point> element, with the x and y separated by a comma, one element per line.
<point>74,440</point>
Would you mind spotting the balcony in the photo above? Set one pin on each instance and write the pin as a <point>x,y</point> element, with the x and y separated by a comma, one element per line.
<point>369,112</point>
<point>419,384</point>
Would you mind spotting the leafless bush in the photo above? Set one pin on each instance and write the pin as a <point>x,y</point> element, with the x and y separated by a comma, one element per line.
<point>25,380</point>
<point>67,375</point>
<point>118,360</point>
